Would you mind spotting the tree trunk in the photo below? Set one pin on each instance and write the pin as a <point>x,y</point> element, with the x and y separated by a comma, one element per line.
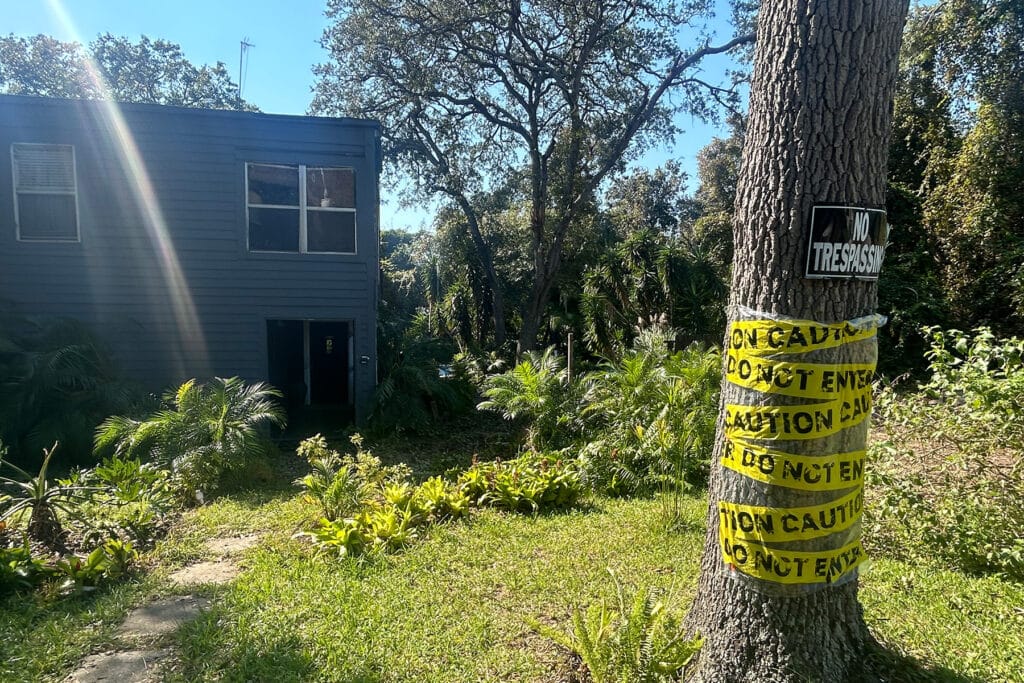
<point>483,252</point>
<point>820,112</point>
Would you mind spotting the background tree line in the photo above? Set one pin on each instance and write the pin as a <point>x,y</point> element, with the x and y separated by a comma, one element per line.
<point>643,249</point>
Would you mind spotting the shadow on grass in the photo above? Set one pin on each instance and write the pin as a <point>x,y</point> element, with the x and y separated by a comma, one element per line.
<point>889,666</point>
<point>212,649</point>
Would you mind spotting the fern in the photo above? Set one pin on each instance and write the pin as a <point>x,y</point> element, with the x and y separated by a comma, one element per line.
<point>633,642</point>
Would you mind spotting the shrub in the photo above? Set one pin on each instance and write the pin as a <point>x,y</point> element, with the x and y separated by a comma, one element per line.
<point>537,391</point>
<point>125,500</point>
<point>341,485</point>
<point>56,383</point>
<point>949,479</point>
<point>18,569</point>
<point>42,498</point>
<point>650,417</point>
<point>380,511</point>
<point>530,483</point>
<point>421,385</point>
<point>203,431</point>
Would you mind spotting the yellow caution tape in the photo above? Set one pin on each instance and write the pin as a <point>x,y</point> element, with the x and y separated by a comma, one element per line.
<point>765,337</point>
<point>799,422</point>
<point>805,472</point>
<point>766,524</point>
<point>790,566</point>
<point>807,380</point>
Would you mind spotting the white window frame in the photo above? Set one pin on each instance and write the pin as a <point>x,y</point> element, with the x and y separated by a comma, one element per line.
<point>49,191</point>
<point>302,208</point>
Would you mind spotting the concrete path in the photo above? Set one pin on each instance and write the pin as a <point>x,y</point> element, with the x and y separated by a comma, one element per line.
<point>143,640</point>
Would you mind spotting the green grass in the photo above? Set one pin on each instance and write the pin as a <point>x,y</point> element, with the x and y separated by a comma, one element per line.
<point>454,606</point>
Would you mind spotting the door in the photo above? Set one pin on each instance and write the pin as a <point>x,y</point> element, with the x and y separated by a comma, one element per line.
<point>329,362</point>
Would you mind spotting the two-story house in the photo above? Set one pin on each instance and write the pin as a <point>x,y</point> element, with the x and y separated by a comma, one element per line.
<point>199,243</point>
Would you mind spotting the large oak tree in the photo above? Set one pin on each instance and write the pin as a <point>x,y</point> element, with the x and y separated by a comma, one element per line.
<point>468,93</point>
<point>818,132</point>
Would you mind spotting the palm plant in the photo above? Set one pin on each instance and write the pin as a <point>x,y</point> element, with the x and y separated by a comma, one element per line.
<point>203,430</point>
<point>650,415</point>
<point>56,383</point>
<point>539,391</point>
<point>413,394</point>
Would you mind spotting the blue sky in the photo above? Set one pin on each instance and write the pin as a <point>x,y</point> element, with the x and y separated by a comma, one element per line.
<point>278,75</point>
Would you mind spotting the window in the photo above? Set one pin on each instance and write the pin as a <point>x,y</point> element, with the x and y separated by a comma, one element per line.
<point>305,209</point>
<point>45,193</point>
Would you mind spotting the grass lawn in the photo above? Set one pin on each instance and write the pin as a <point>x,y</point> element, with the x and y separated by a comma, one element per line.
<point>454,606</point>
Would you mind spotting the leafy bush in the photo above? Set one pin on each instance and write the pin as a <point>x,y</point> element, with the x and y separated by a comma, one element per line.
<point>108,561</point>
<point>632,641</point>
<point>368,507</point>
<point>949,479</point>
<point>650,416</point>
<point>56,383</point>
<point>538,391</point>
<point>18,569</point>
<point>203,431</point>
<point>421,384</point>
<point>963,513</point>
<point>531,483</point>
<point>42,498</point>
<point>125,500</point>
<point>341,485</point>
<point>371,509</point>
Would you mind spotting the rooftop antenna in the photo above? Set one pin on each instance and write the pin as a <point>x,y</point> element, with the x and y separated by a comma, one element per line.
<point>243,50</point>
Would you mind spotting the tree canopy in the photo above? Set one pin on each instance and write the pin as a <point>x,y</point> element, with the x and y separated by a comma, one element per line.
<point>564,93</point>
<point>114,67</point>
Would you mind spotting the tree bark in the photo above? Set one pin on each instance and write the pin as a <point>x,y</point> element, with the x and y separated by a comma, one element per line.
<point>820,112</point>
<point>487,262</point>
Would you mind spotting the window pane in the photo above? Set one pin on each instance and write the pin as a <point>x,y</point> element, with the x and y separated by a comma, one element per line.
<point>331,231</point>
<point>273,185</point>
<point>47,217</point>
<point>333,187</point>
<point>273,229</point>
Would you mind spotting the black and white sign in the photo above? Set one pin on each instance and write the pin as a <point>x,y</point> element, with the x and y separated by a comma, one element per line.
<point>846,242</point>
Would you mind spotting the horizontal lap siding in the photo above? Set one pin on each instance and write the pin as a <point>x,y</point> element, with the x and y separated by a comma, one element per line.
<point>117,278</point>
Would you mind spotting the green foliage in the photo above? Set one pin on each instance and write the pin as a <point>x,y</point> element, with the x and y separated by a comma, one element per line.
<point>126,500</point>
<point>632,641</point>
<point>960,502</point>
<point>20,571</point>
<point>202,431</point>
<point>369,508</point>
<point>415,393</point>
<point>528,484</point>
<point>959,146</point>
<point>56,383</point>
<point>910,289</point>
<point>109,561</point>
<point>651,277</point>
<point>151,71</point>
<point>537,390</point>
<point>42,498</point>
<point>963,513</point>
<point>650,417</point>
<point>341,485</point>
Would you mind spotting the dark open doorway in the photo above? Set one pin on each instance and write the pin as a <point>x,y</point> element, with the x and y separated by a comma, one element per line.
<point>329,363</point>
<point>310,361</point>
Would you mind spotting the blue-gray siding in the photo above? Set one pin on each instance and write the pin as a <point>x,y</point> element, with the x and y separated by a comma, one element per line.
<point>120,277</point>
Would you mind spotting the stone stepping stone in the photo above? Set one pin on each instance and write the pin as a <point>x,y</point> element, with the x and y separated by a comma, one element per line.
<point>162,617</point>
<point>218,572</point>
<point>134,666</point>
